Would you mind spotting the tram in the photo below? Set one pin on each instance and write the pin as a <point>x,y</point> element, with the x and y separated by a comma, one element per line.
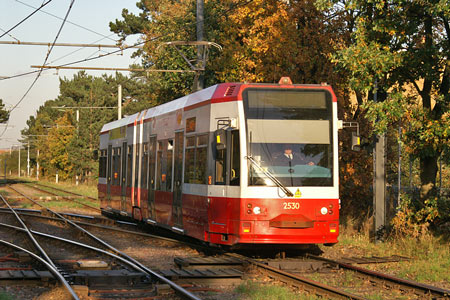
<point>235,164</point>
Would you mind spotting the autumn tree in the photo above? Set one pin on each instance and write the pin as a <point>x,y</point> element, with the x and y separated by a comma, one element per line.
<point>59,139</point>
<point>262,41</point>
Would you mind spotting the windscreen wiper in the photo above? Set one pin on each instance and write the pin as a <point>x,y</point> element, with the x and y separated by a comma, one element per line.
<point>271,177</point>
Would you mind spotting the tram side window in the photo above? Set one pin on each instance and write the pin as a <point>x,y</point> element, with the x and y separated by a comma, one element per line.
<point>201,159</point>
<point>189,168</point>
<point>144,166</point>
<point>196,159</point>
<point>164,165</point>
<point>102,164</point>
<point>136,170</point>
<point>151,163</point>
<point>116,166</point>
<point>160,176</point>
<point>169,165</point>
<point>129,165</point>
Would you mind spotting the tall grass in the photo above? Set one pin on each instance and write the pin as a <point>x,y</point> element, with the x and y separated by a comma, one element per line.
<point>429,255</point>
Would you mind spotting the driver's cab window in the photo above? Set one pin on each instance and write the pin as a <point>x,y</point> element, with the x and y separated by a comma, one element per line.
<point>227,160</point>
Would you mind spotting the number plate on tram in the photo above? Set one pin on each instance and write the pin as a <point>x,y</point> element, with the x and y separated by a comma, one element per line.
<point>291,205</point>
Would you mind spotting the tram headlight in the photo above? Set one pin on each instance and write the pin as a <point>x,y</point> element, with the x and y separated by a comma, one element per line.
<point>256,210</point>
<point>324,210</point>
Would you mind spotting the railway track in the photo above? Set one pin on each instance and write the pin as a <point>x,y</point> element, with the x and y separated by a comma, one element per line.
<point>379,283</point>
<point>422,291</point>
<point>93,222</point>
<point>295,273</point>
<point>85,235</point>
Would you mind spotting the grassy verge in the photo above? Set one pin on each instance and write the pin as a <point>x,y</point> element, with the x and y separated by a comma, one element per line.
<point>429,255</point>
<point>250,290</point>
<point>5,296</point>
<point>86,190</point>
<point>82,189</point>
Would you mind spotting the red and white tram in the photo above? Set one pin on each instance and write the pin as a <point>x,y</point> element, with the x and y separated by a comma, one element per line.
<point>210,165</point>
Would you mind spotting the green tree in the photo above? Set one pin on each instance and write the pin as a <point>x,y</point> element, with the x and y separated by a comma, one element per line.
<point>4,114</point>
<point>403,44</point>
<point>95,99</point>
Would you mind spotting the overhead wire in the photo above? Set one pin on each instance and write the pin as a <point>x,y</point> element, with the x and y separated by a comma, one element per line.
<point>67,21</point>
<point>121,49</point>
<point>26,18</point>
<point>79,49</point>
<point>57,35</point>
<point>100,56</point>
<point>10,35</point>
<point>45,61</point>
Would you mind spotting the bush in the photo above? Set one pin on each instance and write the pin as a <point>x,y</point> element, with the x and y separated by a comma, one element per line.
<point>415,218</point>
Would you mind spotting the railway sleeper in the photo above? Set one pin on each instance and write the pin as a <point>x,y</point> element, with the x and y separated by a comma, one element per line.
<point>124,293</point>
<point>108,278</point>
<point>203,276</point>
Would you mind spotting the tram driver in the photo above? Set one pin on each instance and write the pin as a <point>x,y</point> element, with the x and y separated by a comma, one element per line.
<point>290,157</point>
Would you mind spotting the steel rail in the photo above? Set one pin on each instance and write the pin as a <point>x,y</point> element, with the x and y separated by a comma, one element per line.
<point>53,270</point>
<point>298,281</point>
<point>424,288</point>
<point>30,235</point>
<point>25,214</point>
<point>75,243</point>
<point>178,289</point>
<point>33,211</point>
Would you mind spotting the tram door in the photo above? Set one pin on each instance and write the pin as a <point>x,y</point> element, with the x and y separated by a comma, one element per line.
<point>123,180</point>
<point>177,212</point>
<point>151,178</point>
<point>109,176</point>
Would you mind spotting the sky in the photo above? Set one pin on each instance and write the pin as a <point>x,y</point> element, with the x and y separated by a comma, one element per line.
<point>93,15</point>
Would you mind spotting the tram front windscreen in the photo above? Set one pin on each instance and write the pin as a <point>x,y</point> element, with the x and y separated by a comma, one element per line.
<point>289,136</point>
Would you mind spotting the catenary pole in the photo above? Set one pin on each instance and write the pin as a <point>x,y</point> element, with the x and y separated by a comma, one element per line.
<point>379,178</point>
<point>199,77</point>
<point>119,102</point>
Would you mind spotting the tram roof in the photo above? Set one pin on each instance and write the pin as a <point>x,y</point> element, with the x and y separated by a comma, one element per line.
<point>215,93</point>
<point>174,105</point>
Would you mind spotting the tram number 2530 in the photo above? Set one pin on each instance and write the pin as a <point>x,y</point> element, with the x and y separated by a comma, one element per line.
<point>291,205</point>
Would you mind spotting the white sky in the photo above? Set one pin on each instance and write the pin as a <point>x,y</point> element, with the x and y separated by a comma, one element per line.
<point>41,27</point>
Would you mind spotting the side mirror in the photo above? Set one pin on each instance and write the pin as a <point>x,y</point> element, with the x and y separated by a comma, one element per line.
<point>220,139</point>
<point>356,142</point>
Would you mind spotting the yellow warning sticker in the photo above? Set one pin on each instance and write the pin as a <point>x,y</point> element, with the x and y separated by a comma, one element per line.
<point>298,194</point>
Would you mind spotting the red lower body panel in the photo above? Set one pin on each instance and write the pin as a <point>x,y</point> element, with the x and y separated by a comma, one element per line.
<point>237,221</point>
